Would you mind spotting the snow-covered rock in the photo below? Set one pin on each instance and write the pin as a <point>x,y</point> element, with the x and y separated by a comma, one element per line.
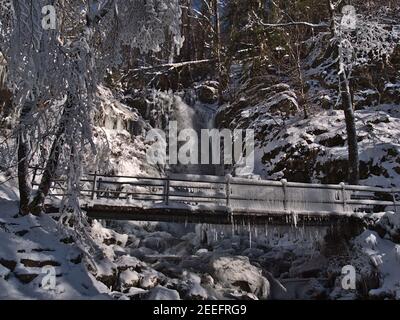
<point>389,224</point>
<point>129,262</point>
<point>239,272</point>
<point>161,293</point>
<point>149,280</point>
<point>196,292</point>
<point>128,279</point>
<point>384,257</point>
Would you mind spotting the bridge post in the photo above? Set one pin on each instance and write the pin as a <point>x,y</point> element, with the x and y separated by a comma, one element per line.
<point>285,195</point>
<point>343,185</point>
<point>228,179</point>
<point>166,191</point>
<point>94,186</point>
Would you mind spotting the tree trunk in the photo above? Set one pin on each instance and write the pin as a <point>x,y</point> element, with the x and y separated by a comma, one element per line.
<point>347,103</point>
<point>217,49</point>
<point>23,163</point>
<point>36,206</point>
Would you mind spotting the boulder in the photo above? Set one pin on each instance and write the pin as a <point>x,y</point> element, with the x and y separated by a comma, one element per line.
<point>389,225</point>
<point>154,243</point>
<point>240,273</point>
<point>128,279</point>
<point>208,93</point>
<point>127,262</point>
<point>310,269</point>
<point>149,279</point>
<point>161,293</point>
<point>196,292</point>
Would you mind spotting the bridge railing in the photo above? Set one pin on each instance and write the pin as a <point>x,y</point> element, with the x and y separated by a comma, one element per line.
<point>236,194</point>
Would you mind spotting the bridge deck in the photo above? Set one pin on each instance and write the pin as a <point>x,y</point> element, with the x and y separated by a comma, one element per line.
<point>213,216</point>
<point>225,200</point>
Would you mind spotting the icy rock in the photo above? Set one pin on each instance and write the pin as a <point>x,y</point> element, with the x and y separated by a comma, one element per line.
<point>207,280</point>
<point>253,252</point>
<point>181,249</point>
<point>311,268</point>
<point>201,252</point>
<point>133,242</point>
<point>241,296</point>
<point>196,292</point>
<point>128,262</point>
<point>239,272</point>
<point>149,280</point>
<point>136,293</point>
<point>390,224</point>
<point>192,277</point>
<point>142,252</point>
<point>275,263</point>
<point>195,263</point>
<point>161,293</point>
<point>128,279</point>
<point>106,272</point>
<point>119,251</point>
<point>154,243</point>
<point>168,269</point>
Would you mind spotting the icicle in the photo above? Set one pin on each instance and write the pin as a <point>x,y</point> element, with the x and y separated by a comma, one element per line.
<point>250,234</point>
<point>294,217</point>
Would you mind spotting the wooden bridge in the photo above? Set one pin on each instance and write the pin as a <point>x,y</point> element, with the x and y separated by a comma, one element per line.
<point>225,200</point>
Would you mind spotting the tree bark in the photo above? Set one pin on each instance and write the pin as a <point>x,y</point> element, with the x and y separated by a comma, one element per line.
<point>23,163</point>
<point>352,140</point>
<point>36,206</point>
<point>347,105</point>
<point>217,49</point>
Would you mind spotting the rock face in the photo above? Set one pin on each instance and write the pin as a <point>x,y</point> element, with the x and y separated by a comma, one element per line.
<point>238,272</point>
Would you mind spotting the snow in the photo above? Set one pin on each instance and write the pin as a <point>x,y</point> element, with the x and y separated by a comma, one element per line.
<point>41,245</point>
